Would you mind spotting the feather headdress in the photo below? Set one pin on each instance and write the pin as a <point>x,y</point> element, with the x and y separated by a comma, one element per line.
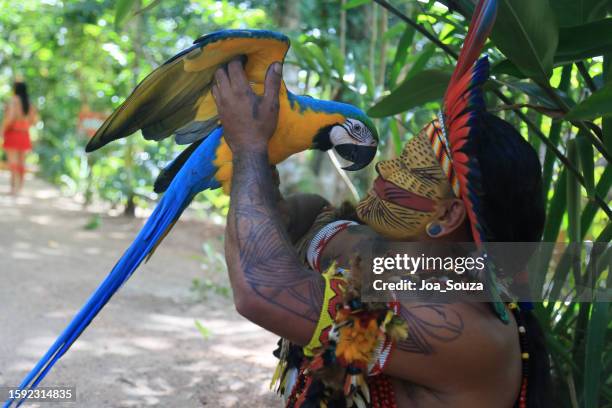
<point>459,123</point>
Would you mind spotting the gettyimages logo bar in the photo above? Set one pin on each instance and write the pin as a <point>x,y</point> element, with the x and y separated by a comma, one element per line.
<point>519,271</point>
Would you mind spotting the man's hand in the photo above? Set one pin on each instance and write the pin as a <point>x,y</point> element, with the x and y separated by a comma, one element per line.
<point>248,120</point>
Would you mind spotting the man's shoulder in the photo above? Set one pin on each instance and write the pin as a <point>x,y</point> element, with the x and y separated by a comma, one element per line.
<point>468,329</point>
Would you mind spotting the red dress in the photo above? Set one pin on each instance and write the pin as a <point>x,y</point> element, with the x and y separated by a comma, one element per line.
<point>17,136</point>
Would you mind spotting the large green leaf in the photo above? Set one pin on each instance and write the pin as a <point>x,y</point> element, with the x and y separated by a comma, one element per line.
<point>526,32</point>
<point>575,44</point>
<point>369,81</point>
<point>426,86</point>
<point>585,151</point>
<point>574,12</point>
<point>606,122</point>
<point>556,209</point>
<point>573,195</point>
<point>395,137</point>
<point>554,218</point>
<point>395,31</point>
<point>591,207</point>
<point>404,44</point>
<point>554,135</point>
<point>304,56</point>
<point>319,56</point>
<point>584,41</point>
<point>595,340</point>
<point>337,59</point>
<point>597,105</point>
<point>538,96</point>
<point>355,3</point>
<point>422,59</point>
<point>506,67</point>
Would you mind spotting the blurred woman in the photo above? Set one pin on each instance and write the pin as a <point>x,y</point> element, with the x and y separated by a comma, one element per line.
<point>19,115</point>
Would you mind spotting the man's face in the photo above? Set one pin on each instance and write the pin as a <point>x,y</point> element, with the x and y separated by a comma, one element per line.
<point>406,193</point>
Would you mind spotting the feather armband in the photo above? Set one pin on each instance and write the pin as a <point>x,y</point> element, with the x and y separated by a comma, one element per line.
<point>350,351</point>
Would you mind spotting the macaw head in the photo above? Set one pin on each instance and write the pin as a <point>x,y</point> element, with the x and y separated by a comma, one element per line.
<point>354,139</point>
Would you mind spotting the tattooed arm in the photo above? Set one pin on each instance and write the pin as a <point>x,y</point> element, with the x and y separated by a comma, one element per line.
<point>270,286</point>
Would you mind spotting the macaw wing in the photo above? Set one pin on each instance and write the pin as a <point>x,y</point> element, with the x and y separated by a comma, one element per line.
<point>176,96</point>
<point>170,171</point>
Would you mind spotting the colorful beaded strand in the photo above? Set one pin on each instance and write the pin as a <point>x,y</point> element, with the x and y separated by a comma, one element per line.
<point>381,392</point>
<point>522,401</point>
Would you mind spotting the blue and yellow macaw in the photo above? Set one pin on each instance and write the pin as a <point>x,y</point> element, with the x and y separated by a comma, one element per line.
<point>176,99</point>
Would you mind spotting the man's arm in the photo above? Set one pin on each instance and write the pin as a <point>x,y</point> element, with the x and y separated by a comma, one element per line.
<point>271,287</point>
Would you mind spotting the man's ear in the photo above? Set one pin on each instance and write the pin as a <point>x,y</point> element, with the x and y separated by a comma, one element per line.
<point>451,218</point>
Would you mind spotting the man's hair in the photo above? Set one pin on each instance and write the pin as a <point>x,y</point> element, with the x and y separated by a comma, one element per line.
<point>512,205</point>
<point>514,211</point>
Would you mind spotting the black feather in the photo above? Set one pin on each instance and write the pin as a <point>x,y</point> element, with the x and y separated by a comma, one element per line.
<point>322,139</point>
<point>195,131</point>
<point>169,172</point>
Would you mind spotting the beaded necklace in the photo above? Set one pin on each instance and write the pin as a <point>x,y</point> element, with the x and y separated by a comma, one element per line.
<point>382,392</point>
<point>522,401</point>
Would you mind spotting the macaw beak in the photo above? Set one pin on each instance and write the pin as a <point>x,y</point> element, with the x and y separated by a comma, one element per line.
<point>359,155</point>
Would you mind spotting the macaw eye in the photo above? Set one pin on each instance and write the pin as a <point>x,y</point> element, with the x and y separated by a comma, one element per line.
<point>357,128</point>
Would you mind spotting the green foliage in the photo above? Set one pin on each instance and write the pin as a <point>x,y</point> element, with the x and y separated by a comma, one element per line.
<point>403,47</point>
<point>526,32</point>
<point>355,3</point>
<point>573,12</point>
<point>595,106</point>
<point>584,41</point>
<point>94,52</point>
<point>595,348</point>
<point>423,87</point>
<point>204,288</point>
<point>122,11</point>
<point>94,222</point>
<point>548,58</point>
<point>204,331</point>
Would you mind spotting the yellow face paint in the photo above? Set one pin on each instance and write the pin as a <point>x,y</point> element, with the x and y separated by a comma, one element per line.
<point>407,191</point>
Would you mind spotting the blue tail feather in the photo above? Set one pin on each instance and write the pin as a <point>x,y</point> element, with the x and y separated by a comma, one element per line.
<point>196,175</point>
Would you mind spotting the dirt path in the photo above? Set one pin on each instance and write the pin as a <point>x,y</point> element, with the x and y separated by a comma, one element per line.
<point>144,348</point>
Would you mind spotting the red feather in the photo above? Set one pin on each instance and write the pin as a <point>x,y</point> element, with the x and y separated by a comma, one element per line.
<point>462,107</point>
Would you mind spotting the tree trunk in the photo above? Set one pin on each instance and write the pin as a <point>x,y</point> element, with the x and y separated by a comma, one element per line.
<point>288,15</point>
<point>136,34</point>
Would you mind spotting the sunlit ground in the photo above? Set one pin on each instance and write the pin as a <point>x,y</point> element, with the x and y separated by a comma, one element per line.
<point>144,348</point>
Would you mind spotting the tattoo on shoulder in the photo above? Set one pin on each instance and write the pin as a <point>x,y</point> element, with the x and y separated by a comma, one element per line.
<point>427,322</point>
